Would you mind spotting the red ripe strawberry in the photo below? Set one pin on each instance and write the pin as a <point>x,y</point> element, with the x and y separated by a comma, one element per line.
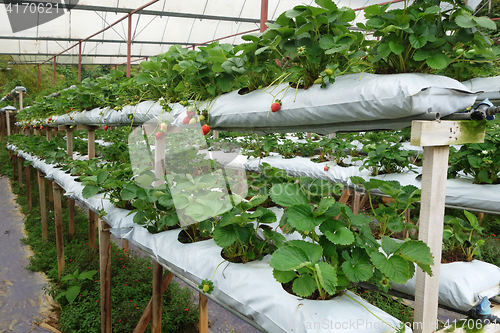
<point>106,127</point>
<point>205,129</point>
<point>275,106</point>
<point>159,135</point>
<point>186,120</point>
<point>41,127</point>
<point>326,168</point>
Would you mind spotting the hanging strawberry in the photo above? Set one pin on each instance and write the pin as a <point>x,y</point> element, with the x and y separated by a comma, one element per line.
<point>205,129</point>
<point>276,106</point>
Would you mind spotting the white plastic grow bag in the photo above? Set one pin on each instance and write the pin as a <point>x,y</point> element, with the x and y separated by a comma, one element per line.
<point>462,284</point>
<point>252,290</point>
<point>489,85</point>
<point>364,101</point>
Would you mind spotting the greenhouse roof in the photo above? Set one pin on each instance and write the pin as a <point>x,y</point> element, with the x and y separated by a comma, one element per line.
<point>154,29</point>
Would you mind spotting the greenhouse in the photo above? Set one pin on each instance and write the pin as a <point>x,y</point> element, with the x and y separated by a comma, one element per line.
<point>265,166</point>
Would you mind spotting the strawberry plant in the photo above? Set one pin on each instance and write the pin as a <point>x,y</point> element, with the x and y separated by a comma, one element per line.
<point>458,235</point>
<point>386,158</point>
<point>340,249</point>
<point>423,37</point>
<point>391,216</point>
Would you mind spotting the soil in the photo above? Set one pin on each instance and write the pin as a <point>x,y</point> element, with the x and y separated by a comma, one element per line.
<point>186,238</point>
<point>452,256</point>
<point>315,296</point>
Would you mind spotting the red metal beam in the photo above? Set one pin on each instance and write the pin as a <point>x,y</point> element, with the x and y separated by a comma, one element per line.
<point>129,43</point>
<point>264,8</point>
<point>101,31</point>
<point>80,61</point>
<point>54,74</point>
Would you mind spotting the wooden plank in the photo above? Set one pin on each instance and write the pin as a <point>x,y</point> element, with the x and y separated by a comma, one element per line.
<point>434,171</point>
<point>105,276</point>
<point>343,199</point>
<point>157,299</point>
<point>91,143</point>
<point>71,218</point>
<point>203,314</point>
<point>446,132</point>
<point>59,228</point>
<point>92,227</point>
<point>43,209</point>
<point>364,199</point>
<point>69,143</point>
<point>146,316</point>
<point>27,171</point>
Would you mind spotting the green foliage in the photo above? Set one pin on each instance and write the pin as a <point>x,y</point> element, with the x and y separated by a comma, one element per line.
<point>458,235</point>
<point>341,248</point>
<point>391,216</point>
<point>423,37</point>
<point>478,160</point>
<point>386,158</point>
<point>74,285</point>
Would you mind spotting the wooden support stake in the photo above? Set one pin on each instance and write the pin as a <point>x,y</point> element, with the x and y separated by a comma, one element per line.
<point>355,202</point>
<point>343,199</point>
<point>43,209</point>
<point>51,195</point>
<point>69,143</point>
<point>59,228</point>
<point>146,316</point>
<point>125,245</point>
<point>92,227</point>
<point>216,134</point>
<point>434,170</point>
<point>157,298</point>
<point>14,165</point>
<point>7,115</point>
<point>71,218</point>
<point>48,134</point>
<point>436,137</point>
<point>20,171</point>
<point>27,170</point>
<point>105,276</point>
<point>91,144</point>
<point>364,199</point>
<point>203,314</point>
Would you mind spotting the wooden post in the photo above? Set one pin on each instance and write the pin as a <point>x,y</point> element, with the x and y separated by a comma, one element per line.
<point>20,171</point>
<point>20,100</point>
<point>59,228</point>
<point>146,316</point>
<point>92,227</point>
<point>69,142</point>
<point>51,195</point>
<point>43,209</point>
<point>91,143</point>
<point>7,115</point>
<point>48,134</point>
<point>355,202</point>
<point>125,245</point>
<point>435,137</point>
<point>309,135</point>
<point>105,276</point>
<point>216,134</point>
<point>14,165</point>
<point>71,218</point>
<point>27,170</point>
<point>203,314</point>
<point>157,298</point>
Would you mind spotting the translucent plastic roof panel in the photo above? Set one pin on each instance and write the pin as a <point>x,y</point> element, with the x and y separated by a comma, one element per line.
<point>154,29</point>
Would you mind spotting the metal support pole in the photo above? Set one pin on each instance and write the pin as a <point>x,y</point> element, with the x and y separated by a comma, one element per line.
<point>129,43</point>
<point>264,7</point>
<point>80,61</point>
<point>54,74</point>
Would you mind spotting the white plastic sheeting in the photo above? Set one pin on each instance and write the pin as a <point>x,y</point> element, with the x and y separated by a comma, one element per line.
<point>248,288</point>
<point>462,284</point>
<point>490,86</point>
<point>460,192</point>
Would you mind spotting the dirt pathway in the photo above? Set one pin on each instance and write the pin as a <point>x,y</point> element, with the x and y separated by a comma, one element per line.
<point>22,299</point>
